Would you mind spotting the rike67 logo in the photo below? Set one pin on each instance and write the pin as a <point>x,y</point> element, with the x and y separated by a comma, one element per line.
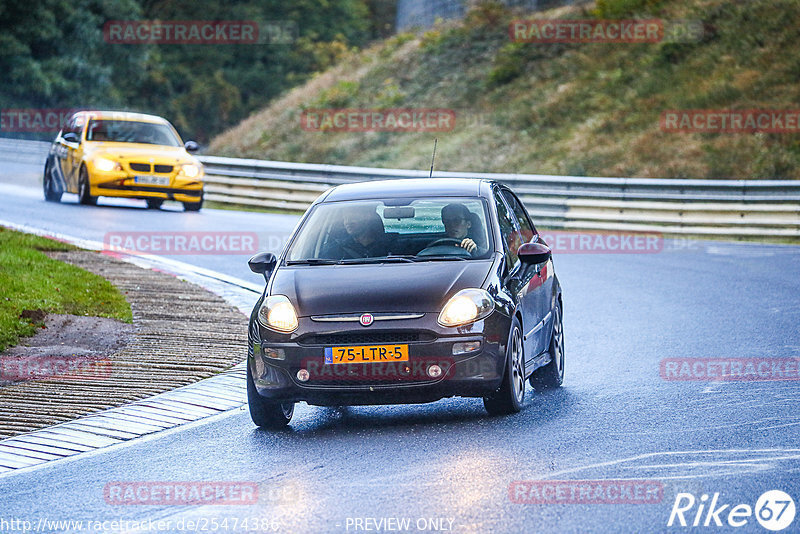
<point>774,510</point>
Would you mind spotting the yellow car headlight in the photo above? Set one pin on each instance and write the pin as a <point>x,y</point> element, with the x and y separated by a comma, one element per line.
<point>190,170</point>
<point>466,306</point>
<point>277,313</point>
<point>106,165</point>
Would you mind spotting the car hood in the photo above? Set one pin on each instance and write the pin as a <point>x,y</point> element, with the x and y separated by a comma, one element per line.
<point>407,287</point>
<point>136,151</point>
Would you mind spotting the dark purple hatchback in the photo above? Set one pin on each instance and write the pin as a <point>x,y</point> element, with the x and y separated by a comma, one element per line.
<point>406,291</point>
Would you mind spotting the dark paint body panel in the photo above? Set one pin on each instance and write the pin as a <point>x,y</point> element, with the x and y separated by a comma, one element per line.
<point>394,287</point>
<point>405,188</point>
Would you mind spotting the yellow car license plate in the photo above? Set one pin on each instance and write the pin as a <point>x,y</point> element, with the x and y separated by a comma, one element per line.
<point>151,180</point>
<point>366,354</point>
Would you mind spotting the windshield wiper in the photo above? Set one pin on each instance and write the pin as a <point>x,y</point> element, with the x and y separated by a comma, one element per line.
<point>313,261</point>
<point>384,259</point>
<point>442,257</point>
<point>352,261</point>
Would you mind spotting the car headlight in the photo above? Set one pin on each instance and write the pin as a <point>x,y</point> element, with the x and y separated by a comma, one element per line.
<point>466,306</point>
<point>190,170</point>
<point>107,165</point>
<point>277,313</point>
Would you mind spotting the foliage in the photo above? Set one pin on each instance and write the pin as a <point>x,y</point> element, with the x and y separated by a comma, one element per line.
<point>563,108</point>
<point>53,55</point>
<point>616,9</point>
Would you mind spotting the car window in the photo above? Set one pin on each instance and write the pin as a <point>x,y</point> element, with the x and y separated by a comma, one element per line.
<point>526,228</point>
<point>121,131</point>
<point>74,125</point>
<point>417,229</point>
<point>508,231</point>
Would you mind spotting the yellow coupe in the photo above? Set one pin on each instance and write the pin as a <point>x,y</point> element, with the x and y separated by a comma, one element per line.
<point>116,154</point>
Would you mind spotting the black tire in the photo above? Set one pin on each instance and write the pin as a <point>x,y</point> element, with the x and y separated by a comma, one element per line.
<point>511,395</point>
<point>52,192</point>
<point>154,203</point>
<point>192,206</point>
<point>83,188</point>
<point>552,375</point>
<point>265,414</point>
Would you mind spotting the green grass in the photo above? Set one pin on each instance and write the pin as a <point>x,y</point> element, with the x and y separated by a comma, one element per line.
<point>585,109</point>
<point>29,280</point>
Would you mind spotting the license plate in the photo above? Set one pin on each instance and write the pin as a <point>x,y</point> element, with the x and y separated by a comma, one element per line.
<point>152,180</point>
<point>366,354</point>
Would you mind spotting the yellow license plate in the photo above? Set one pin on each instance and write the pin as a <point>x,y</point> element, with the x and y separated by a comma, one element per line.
<point>152,180</point>
<point>366,354</point>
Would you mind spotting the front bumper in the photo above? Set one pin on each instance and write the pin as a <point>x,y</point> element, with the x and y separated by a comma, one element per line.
<point>473,374</point>
<point>123,184</point>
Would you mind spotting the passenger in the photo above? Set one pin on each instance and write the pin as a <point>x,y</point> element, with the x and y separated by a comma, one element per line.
<point>458,223</point>
<point>366,236</point>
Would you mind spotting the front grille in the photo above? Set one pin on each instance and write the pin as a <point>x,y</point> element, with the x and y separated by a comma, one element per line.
<point>162,168</point>
<point>362,338</point>
<point>141,167</point>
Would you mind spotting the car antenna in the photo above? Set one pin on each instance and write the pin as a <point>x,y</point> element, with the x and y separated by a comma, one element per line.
<point>433,158</point>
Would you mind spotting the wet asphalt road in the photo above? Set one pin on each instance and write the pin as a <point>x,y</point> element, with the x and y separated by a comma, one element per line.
<point>447,466</point>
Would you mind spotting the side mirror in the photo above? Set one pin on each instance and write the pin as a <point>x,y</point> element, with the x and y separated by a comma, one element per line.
<point>71,137</point>
<point>534,253</point>
<point>191,146</point>
<point>263,263</point>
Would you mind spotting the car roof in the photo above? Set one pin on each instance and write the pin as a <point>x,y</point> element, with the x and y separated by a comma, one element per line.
<point>123,116</point>
<point>408,187</point>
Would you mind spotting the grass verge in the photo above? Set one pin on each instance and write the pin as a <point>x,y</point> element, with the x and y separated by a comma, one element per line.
<point>573,109</point>
<point>29,280</point>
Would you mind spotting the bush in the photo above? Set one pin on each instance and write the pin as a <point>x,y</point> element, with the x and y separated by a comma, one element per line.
<point>616,9</point>
<point>340,95</point>
<point>508,65</point>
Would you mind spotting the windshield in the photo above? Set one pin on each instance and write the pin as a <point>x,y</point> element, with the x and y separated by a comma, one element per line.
<point>131,132</point>
<point>423,229</point>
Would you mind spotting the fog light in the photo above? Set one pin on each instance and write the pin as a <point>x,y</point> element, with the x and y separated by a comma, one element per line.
<point>274,354</point>
<point>302,375</point>
<point>434,371</point>
<point>466,346</point>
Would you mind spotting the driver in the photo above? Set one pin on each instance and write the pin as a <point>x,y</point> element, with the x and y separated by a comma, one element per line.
<point>457,224</point>
<point>147,134</point>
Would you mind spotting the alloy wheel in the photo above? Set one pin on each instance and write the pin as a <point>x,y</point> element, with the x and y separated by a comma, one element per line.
<point>517,365</point>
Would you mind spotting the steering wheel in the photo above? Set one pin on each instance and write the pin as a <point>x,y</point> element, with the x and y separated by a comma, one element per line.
<point>446,241</point>
<point>445,246</point>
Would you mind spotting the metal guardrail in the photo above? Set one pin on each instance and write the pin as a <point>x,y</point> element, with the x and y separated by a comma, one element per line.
<point>725,208</point>
<point>24,151</point>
